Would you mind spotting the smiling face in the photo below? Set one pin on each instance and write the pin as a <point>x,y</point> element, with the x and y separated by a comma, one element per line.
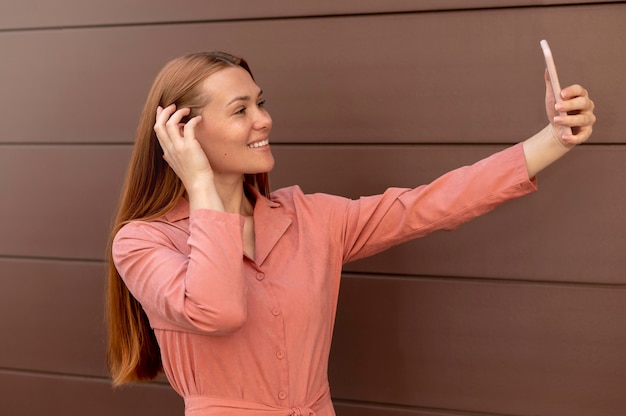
<point>235,127</point>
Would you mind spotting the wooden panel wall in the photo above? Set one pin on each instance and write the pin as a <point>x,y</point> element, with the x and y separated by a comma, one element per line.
<point>518,313</point>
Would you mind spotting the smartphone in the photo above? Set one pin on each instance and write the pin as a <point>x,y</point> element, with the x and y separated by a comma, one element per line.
<point>554,79</point>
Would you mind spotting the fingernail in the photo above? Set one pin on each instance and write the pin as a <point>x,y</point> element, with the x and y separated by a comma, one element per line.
<point>558,119</point>
<point>559,106</point>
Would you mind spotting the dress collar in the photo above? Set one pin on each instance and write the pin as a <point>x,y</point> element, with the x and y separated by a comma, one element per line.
<point>181,208</point>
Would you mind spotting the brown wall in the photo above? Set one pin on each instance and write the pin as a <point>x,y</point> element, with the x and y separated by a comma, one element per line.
<point>521,312</point>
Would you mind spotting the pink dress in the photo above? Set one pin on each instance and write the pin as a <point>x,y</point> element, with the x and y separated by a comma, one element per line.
<point>252,337</point>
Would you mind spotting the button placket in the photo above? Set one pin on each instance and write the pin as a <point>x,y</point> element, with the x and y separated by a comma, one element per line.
<point>280,352</point>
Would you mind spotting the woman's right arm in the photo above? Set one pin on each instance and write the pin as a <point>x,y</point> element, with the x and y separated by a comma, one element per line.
<point>191,280</point>
<point>186,282</point>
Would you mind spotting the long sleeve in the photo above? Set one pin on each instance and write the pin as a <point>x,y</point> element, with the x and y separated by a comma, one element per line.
<point>373,224</point>
<point>198,286</point>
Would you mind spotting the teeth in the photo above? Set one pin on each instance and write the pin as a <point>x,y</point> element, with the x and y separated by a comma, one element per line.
<point>259,144</point>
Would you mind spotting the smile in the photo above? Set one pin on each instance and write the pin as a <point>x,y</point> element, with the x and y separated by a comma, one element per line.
<point>259,144</point>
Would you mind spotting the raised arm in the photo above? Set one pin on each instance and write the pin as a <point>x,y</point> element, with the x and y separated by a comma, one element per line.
<point>551,143</point>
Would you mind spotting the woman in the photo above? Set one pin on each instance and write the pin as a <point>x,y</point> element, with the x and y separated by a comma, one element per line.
<point>231,290</point>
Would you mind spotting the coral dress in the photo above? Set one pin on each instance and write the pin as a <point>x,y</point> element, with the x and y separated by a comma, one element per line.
<point>241,336</point>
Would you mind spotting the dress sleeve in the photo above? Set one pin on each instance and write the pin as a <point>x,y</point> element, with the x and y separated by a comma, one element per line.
<point>373,224</point>
<point>195,285</point>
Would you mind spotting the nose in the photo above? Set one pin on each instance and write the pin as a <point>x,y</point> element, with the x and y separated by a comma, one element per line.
<point>263,120</point>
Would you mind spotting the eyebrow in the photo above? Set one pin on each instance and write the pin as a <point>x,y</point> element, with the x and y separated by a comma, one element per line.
<point>243,98</point>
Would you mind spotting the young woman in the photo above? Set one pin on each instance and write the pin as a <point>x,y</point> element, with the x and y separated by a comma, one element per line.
<point>231,290</point>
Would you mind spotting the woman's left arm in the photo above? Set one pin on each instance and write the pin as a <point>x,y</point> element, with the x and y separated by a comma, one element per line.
<point>551,143</point>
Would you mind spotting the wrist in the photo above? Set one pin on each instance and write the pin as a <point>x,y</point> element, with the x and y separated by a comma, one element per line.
<point>557,133</point>
<point>203,196</point>
<point>543,149</point>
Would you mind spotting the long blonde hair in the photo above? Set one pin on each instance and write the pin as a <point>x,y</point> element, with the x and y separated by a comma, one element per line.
<point>151,189</point>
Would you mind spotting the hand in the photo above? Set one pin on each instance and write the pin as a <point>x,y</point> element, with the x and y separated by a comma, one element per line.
<point>577,105</point>
<point>548,145</point>
<point>182,151</point>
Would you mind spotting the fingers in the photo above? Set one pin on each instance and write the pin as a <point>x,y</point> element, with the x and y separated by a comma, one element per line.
<point>182,152</point>
<point>171,132</point>
<point>576,112</point>
<point>189,127</point>
<point>162,116</point>
<point>168,122</point>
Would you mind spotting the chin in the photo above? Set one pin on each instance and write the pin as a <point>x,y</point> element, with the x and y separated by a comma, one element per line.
<point>268,167</point>
<point>261,166</point>
<point>260,171</point>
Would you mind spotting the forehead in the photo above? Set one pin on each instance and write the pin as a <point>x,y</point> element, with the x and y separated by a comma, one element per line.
<point>230,82</point>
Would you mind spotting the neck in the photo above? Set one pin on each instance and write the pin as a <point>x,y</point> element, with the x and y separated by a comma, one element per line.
<point>233,197</point>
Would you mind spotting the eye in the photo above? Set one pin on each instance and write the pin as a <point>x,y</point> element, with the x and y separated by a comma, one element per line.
<point>261,104</point>
<point>241,110</point>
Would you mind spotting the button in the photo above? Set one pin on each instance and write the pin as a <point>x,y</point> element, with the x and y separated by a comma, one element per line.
<point>276,312</point>
<point>260,276</point>
<point>282,395</point>
<point>280,354</point>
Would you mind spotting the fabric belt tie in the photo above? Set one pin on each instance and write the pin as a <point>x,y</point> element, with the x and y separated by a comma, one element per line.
<point>209,406</point>
<point>298,411</point>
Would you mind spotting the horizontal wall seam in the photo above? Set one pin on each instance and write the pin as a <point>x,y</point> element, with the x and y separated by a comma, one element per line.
<point>479,279</point>
<point>539,4</point>
<point>44,259</point>
<point>429,410</point>
<point>57,375</point>
<point>371,275</point>
<point>60,144</point>
<point>329,143</point>
<point>50,374</point>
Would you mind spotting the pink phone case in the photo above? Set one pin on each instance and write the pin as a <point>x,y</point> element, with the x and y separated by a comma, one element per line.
<point>554,79</point>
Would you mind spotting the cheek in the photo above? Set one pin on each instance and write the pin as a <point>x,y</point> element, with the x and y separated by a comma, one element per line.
<point>217,152</point>
<point>217,141</point>
<point>205,137</point>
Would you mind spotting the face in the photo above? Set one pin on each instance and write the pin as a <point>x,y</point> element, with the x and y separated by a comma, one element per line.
<point>235,127</point>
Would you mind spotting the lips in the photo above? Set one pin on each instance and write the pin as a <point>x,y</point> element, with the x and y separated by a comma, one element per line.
<point>259,144</point>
